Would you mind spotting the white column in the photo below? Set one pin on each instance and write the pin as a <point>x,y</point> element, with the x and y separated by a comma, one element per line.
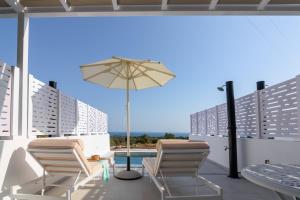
<point>15,102</point>
<point>30,108</point>
<point>22,63</point>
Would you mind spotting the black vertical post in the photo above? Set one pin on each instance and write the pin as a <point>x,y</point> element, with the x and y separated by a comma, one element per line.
<point>233,165</point>
<point>128,163</point>
<point>53,84</point>
<point>260,85</point>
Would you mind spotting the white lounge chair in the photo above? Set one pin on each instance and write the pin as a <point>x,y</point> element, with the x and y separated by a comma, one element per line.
<point>178,159</point>
<point>64,166</point>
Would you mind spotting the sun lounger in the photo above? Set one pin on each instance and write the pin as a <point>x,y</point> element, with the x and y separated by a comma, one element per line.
<point>180,159</point>
<point>61,158</point>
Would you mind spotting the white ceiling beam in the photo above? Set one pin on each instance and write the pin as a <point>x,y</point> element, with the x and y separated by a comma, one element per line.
<point>213,4</point>
<point>263,4</point>
<point>66,5</point>
<point>15,4</point>
<point>164,4</point>
<point>115,4</point>
<point>91,11</point>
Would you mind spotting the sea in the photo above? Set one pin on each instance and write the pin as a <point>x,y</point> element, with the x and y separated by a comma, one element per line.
<point>151,134</point>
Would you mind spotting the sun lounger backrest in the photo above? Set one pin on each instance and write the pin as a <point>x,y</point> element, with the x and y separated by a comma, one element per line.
<point>60,155</point>
<point>180,157</point>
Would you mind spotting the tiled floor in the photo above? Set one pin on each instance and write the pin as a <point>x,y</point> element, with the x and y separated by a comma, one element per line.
<point>143,189</point>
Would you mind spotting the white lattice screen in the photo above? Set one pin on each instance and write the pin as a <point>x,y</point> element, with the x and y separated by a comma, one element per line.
<point>103,122</point>
<point>245,111</point>
<point>92,122</point>
<point>54,113</point>
<point>5,99</point>
<point>67,115</point>
<point>212,121</point>
<point>44,101</point>
<point>82,118</point>
<point>280,110</point>
<point>222,119</point>
<point>194,124</point>
<point>201,122</point>
<point>270,113</point>
<point>50,112</point>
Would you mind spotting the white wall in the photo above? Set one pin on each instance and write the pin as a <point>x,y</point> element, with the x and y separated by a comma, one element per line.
<point>252,151</point>
<point>17,166</point>
<point>95,144</point>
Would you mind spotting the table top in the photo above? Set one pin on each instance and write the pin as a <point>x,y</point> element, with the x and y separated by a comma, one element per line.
<point>107,156</point>
<point>283,178</point>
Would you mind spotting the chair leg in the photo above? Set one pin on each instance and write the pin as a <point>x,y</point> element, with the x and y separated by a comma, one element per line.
<point>162,196</point>
<point>114,169</point>
<point>12,193</point>
<point>68,194</point>
<point>281,196</point>
<point>44,182</point>
<point>197,184</point>
<point>143,170</point>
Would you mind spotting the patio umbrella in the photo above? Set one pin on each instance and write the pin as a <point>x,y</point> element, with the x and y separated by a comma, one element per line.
<point>128,74</point>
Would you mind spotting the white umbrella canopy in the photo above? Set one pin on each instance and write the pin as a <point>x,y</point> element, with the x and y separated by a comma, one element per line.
<point>123,73</point>
<point>129,74</point>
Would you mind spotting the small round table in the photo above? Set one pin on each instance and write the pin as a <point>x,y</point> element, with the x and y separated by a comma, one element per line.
<point>283,179</point>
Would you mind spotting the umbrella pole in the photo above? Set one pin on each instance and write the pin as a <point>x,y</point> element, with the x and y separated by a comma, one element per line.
<point>128,174</point>
<point>128,125</point>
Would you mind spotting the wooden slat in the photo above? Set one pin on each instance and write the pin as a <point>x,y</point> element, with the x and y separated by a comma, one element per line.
<point>172,2</point>
<point>284,2</point>
<point>55,155</point>
<point>89,2</point>
<point>139,2</point>
<point>179,164</point>
<point>254,2</point>
<point>62,169</point>
<point>40,3</point>
<point>60,163</point>
<point>181,157</point>
<point>33,150</point>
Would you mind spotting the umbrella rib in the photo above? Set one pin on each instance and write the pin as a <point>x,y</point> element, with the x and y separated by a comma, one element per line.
<point>97,74</point>
<point>136,61</point>
<point>136,69</point>
<point>131,73</point>
<point>148,76</point>
<point>116,76</point>
<point>95,64</point>
<point>151,69</point>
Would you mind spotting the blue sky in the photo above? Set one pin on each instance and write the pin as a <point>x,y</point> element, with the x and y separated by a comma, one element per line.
<point>204,52</point>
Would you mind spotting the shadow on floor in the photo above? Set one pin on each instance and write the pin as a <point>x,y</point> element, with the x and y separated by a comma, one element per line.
<point>114,189</point>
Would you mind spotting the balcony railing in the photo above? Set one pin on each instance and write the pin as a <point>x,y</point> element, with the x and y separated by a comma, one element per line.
<point>271,113</point>
<point>50,111</point>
